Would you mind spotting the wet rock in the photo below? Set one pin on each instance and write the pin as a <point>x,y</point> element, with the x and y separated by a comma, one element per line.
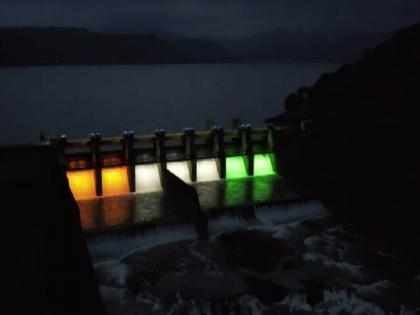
<point>199,286</point>
<point>281,309</point>
<point>295,304</point>
<point>265,290</point>
<point>290,263</point>
<point>313,291</point>
<point>253,250</point>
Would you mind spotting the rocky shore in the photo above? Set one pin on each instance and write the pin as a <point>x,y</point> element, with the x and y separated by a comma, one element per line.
<point>308,266</point>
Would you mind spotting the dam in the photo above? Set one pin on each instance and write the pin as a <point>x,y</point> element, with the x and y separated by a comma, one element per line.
<point>119,181</point>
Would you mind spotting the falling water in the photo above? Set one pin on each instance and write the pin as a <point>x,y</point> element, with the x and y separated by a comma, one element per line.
<point>180,169</point>
<point>82,184</point>
<point>235,167</point>
<point>115,181</point>
<point>207,170</point>
<point>148,178</point>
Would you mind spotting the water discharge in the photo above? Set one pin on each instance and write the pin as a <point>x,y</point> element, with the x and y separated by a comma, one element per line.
<point>115,181</point>
<point>82,184</point>
<point>235,167</point>
<point>148,178</point>
<point>207,170</point>
<point>263,164</point>
<point>180,169</point>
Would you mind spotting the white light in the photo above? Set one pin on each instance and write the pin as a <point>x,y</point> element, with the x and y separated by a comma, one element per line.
<point>148,178</point>
<point>180,169</point>
<point>207,170</point>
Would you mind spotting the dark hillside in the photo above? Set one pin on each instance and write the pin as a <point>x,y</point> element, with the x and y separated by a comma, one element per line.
<point>357,151</point>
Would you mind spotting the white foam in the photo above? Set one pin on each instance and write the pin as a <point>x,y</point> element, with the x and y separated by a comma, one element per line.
<point>113,246</point>
<point>112,273</point>
<point>251,303</point>
<point>296,303</point>
<point>341,301</point>
<point>344,269</point>
<point>374,289</point>
<point>293,212</point>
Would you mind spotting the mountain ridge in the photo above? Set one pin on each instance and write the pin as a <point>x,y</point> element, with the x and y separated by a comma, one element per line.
<point>23,46</point>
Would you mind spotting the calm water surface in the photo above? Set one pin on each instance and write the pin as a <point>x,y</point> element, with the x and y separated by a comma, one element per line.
<point>77,100</point>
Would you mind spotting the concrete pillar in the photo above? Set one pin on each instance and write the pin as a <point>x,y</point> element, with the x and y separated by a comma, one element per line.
<point>247,148</point>
<point>129,158</point>
<point>95,150</point>
<point>272,147</point>
<point>190,152</point>
<point>160,151</point>
<point>236,123</point>
<point>219,150</point>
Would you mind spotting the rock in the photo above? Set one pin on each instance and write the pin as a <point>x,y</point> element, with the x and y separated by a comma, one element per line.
<point>265,290</point>
<point>254,250</point>
<point>199,286</point>
<point>46,264</point>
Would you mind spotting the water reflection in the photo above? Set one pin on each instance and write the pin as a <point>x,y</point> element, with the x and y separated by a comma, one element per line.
<point>133,209</point>
<point>263,188</point>
<point>238,192</point>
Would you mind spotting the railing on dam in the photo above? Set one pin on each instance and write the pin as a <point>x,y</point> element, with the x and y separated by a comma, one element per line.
<point>99,166</point>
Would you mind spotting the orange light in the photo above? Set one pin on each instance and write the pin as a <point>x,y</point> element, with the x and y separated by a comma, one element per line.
<point>82,184</point>
<point>115,181</point>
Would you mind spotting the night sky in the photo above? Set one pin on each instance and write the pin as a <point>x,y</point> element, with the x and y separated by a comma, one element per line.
<point>212,18</point>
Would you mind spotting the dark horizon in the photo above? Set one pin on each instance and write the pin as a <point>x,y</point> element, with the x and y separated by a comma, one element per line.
<point>218,19</point>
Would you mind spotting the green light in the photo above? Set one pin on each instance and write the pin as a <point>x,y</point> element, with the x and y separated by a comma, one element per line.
<point>263,165</point>
<point>263,188</point>
<point>235,167</point>
<point>237,192</point>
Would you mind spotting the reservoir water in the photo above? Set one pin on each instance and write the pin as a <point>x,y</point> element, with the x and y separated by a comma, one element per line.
<point>78,100</point>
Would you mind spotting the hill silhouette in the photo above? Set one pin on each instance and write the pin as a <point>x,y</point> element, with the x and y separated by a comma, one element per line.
<point>356,149</point>
<point>21,46</point>
<point>306,46</point>
<point>50,46</point>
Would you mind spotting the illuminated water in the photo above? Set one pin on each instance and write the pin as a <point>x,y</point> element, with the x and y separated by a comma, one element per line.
<point>207,170</point>
<point>148,178</point>
<point>180,169</point>
<point>115,181</point>
<point>77,100</point>
<point>263,165</point>
<point>144,208</point>
<point>235,167</point>
<point>82,184</point>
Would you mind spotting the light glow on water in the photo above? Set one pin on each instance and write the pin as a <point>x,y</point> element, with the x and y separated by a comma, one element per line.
<point>115,181</point>
<point>263,165</point>
<point>82,184</point>
<point>180,169</point>
<point>235,167</point>
<point>237,192</point>
<point>207,170</point>
<point>148,178</point>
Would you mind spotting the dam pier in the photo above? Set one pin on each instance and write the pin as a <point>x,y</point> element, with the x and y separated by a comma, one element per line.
<point>119,182</point>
